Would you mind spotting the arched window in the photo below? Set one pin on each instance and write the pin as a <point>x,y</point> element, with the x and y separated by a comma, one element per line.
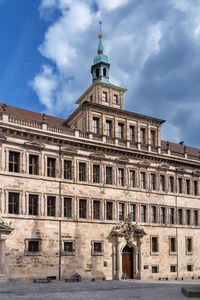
<point>97,72</point>
<point>104,71</point>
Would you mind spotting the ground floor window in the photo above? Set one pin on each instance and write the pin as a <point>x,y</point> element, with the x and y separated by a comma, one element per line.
<point>97,247</point>
<point>68,247</point>
<point>33,246</point>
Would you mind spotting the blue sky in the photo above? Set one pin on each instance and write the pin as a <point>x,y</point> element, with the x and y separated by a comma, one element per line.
<point>47,48</point>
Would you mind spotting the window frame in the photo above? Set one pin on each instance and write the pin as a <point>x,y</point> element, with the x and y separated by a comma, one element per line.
<point>34,166</point>
<point>14,203</point>
<point>32,206</point>
<point>154,251</point>
<point>68,253</point>
<point>67,208</point>
<point>189,248</point>
<point>97,253</point>
<point>82,209</point>
<point>51,167</point>
<point>27,252</point>
<point>51,207</point>
<point>14,166</point>
<point>82,173</point>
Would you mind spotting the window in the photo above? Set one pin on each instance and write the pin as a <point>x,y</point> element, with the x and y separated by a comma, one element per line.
<point>172,244</point>
<point>132,133</point>
<point>171,184</point>
<point>154,269</point>
<point>180,216</point>
<point>180,190</point>
<point>154,244</point>
<point>115,99</point>
<point>121,177</point>
<point>132,178</point>
<point>13,161</point>
<point>162,215</point>
<point>133,212</point>
<point>108,128</point>
<point>189,268</point>
<point>121,211</point>
<point>68,169</point>
<point>196,218</point>
<point>108,175</point>
<point>153,181</point>
<point>171,215</point>
<point>109,210</point>
<point>13,204</point>
<point>143,213</point>
<point>51,206</point>
<point>188,245</point>
<point>153,137</point>
<point>173,268</point>
<point>68,207</point>
<point>33,246</point>
<point>51,170</point>
<point>33,205</point>
<point>82,171</point>
<point>97,247</point>
<point>188,186</point>
<point>96,173</point>
<point>68,248</point>
<point>33,164</point>
<point>142,135</point>
<point>188,217</point>
<point>153,214</point>
<point>120,130</point>
<point>104,71</point>
<point>195,187</point>
<point>142,180</point>
<point>162,183</point>
<point>96,210</point>
<point>104,97</point>
<point>95,125</point>
<point>97,72</point>
<point>82,208</point>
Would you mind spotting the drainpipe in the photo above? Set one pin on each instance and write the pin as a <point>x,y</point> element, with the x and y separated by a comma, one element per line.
<point>177,261</point>
<point>60,210</point>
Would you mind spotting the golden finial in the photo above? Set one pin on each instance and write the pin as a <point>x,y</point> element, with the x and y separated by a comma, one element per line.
<point>100,34</point>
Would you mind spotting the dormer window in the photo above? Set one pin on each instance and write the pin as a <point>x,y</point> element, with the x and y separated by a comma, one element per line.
<point>115,99</point>
<point>104,97</point>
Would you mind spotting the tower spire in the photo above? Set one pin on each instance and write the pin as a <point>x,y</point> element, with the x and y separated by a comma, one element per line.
<point>100,46</point>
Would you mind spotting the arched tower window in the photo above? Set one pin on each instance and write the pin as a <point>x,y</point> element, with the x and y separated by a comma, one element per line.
<point>104,71</point>
<point>97,72</point>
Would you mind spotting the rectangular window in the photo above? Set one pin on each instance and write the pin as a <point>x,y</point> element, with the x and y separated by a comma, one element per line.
<point>68,207</point>
<point>33,164</point>
<point>171,184</point>
<point>121,177</point>
<point>68,169</point>
<point>109,128</point>
<point>121,211</point>
<point>142,135</point>
<point>180,187</point>
<point>195,187</point>
<point>188,186</point>
<point>143,213</point>
<point>68,247</point>
<point>95,125</point>
<point>188,217</point>
<point>104,96</point>
<point>196,218</point>
<point>180,216</point>
<point>153,138</point>
<point>154,244</point>
<point>51,167</point>
<point>188,245</point>
<point>162,215</point>
<point>171,215</point>
<point>109,210</point>
<point>132,133</point>
<point>51,206</point>
<point>189,268</point>
<point>13,203</point>
<point>172,244</point>
<point>97,248</point>
<point>96,210</point>
<point>82,208</point>
<point>115,99</point>
<point>96,173</point>
<point>14,162</point>
<point>120,130</point>
<point>154,269</point>
<point>153,181</point>
<point>132,178</point>
<point>133,212</point>
<point>173,268</point>
<point>162,183</point>
<point>142,180</point>
<point>33,246</point>
<point>82,171</point>
<point>33,205</point>
<point>108,175</point>
<point>153,214</point>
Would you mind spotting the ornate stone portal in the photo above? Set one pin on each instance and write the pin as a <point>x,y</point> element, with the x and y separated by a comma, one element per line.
<point>127,234</point>
<point>5,230</point>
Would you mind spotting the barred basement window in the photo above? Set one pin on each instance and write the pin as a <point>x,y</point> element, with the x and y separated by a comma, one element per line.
<point>82,171</point>
<point>108,175</point>
<point>33,246</point>
<point>109,210</point>
<point>96,210</point>
<point>154,244</point>
<point>82,208</point>
<point>33,205</point>
<point>51,164</point>
<point>154,269</point>
<point>173,268</point>
<point>68,248</point>
<point>33,164</point>
<point>67,169</point>
<point>97,247</point>
<point>68,207</point>
<point>189,268</point>
<point>14,162</point>
<point>51,206</point>
<point>13,203</point>
<point>96,173</point>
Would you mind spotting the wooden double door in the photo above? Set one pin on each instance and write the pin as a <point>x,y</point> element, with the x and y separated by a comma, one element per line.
<point>127,262</point>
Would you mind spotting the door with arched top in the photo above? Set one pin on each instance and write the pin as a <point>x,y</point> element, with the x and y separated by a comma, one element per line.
<point>127,262</point>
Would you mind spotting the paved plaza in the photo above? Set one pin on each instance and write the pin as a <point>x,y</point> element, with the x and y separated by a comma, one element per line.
<point>87,290</point>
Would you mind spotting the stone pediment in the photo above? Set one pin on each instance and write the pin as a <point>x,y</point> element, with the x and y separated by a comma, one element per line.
<point>122,159</point>
<point>97,155</point>
<point>35,145</point>
<point>2,138</point>
<point>143,163</point>
<point>163,166</point>
<point>69,150</point>
<point>5,227</point>
<point>181,169</point>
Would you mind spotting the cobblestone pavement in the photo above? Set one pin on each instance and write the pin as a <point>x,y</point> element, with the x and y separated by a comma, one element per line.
<point>98,290</point>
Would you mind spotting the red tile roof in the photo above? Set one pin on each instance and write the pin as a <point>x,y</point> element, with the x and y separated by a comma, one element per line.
<point>31,115</point>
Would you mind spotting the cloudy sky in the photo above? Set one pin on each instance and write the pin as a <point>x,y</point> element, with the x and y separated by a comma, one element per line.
<point>47,48</point>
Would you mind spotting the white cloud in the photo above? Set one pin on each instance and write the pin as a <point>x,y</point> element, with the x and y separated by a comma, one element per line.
<point>112,4</point>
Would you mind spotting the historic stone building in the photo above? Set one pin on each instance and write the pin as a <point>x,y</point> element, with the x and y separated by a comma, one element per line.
<point>67,187</point>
